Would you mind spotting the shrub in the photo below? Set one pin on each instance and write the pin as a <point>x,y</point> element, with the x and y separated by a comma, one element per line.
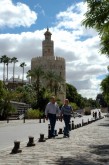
<point>87,112</point>
<point>34,114</point>
<point>74,106</point>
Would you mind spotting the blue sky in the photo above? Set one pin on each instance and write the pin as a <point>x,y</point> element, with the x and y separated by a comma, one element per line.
<point>46,13</point>
<point>22,27</point>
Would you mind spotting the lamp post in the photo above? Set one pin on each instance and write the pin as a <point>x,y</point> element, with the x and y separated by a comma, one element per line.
<point>6,84</point>
<point>24,116</point>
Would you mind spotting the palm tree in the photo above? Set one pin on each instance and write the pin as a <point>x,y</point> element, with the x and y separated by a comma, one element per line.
<point>36,74</point>
<point>3,60</point>
<point>54,81</point>
<point>14,60</point>
<point>5,101</point>
<point>22,65</point>
<point>0,60</point>
<point>28,75</point>
<point>50,77</point>
<point>58,83</point>
<point>8,60</point>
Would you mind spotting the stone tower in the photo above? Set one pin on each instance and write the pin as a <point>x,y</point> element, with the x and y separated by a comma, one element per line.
<point>49,62</point>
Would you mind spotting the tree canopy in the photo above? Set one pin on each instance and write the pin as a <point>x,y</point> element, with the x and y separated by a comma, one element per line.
<point>97,17</point>
<point>5,98</point>
<point>73,96</point>
<point>105,89</point>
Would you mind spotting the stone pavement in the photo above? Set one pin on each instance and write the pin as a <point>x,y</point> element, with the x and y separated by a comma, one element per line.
<point>87,145</point>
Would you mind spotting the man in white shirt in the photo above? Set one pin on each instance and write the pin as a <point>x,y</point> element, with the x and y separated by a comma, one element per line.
<point>51,111</point>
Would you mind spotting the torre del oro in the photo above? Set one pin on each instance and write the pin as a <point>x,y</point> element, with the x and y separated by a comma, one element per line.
<point>49,62</point>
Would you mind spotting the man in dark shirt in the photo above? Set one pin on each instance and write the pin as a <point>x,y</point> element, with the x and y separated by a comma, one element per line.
<point>66,111</point>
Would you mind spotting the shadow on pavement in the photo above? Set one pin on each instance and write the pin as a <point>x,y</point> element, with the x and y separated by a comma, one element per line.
<point>74,161</point>
<point>102,151</point>
<point>107,120</point>
<point>104,124</point>
<point>54,138</point>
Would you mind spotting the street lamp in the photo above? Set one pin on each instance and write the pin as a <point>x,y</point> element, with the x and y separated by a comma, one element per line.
<point>6,84</point>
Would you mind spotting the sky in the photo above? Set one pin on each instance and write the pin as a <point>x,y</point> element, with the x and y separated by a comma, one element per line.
<point>22,27</point>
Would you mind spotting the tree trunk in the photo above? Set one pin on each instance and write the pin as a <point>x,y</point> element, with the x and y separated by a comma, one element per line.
<point>4,73</point>
<point>13,71</point>
<point>7,72</point>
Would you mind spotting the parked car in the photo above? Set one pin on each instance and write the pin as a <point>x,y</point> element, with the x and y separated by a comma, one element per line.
<point>75,114</point>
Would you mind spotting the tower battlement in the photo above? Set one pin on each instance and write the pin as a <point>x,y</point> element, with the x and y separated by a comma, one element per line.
<point>39,58</point>
<point>59,59</point>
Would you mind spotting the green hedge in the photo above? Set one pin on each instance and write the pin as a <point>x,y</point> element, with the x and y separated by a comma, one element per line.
<point>87,112</point>
<point>34,114</point>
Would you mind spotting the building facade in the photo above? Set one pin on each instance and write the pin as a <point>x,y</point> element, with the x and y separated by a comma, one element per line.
<point>49,62</point>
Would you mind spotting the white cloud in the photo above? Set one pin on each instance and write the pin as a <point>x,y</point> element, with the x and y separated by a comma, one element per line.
<point>79,47</point>
<point>40,8</point>
<point>12,15</point>
<point>72,17</point>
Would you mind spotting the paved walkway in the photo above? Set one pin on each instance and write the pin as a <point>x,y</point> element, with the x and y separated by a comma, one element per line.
<point>87,145</point>
<point>18,130</point>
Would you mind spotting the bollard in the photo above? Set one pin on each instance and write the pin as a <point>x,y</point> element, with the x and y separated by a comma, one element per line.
<point>43,120</point>
<point>16,149</point>
<point>39,120</point>
<point>60,131</point>
<point>79,124</point>
<point>82,122</point>
<point>56,134</point>
<point>42,139</point>
<point>73,125</point>
<point>31,142</point>
<point>61,119</point>
<point>24,119</point>
<point>7,119</point>
<point>49,131</point>
<point>70,126</point>
<point>24,115</point>
<point>88,121</point>
<point>85,123</point>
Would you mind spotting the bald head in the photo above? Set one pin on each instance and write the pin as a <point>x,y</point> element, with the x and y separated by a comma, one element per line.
<point>53,99</point>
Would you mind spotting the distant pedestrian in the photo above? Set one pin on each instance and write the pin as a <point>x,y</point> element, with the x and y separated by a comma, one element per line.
<point>99,113</point>
<point>51,111</point>
<point>66,112</point>
<point>95,115</point>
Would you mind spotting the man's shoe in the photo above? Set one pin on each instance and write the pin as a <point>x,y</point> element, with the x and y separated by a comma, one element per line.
<point>64,136</point>
<point>68,135</point>
<point>53,136</point>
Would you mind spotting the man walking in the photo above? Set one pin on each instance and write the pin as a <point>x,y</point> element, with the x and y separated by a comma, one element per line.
<point>51,111</point>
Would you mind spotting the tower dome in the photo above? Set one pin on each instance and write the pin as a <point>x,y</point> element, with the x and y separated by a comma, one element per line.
<point>47,32</point>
